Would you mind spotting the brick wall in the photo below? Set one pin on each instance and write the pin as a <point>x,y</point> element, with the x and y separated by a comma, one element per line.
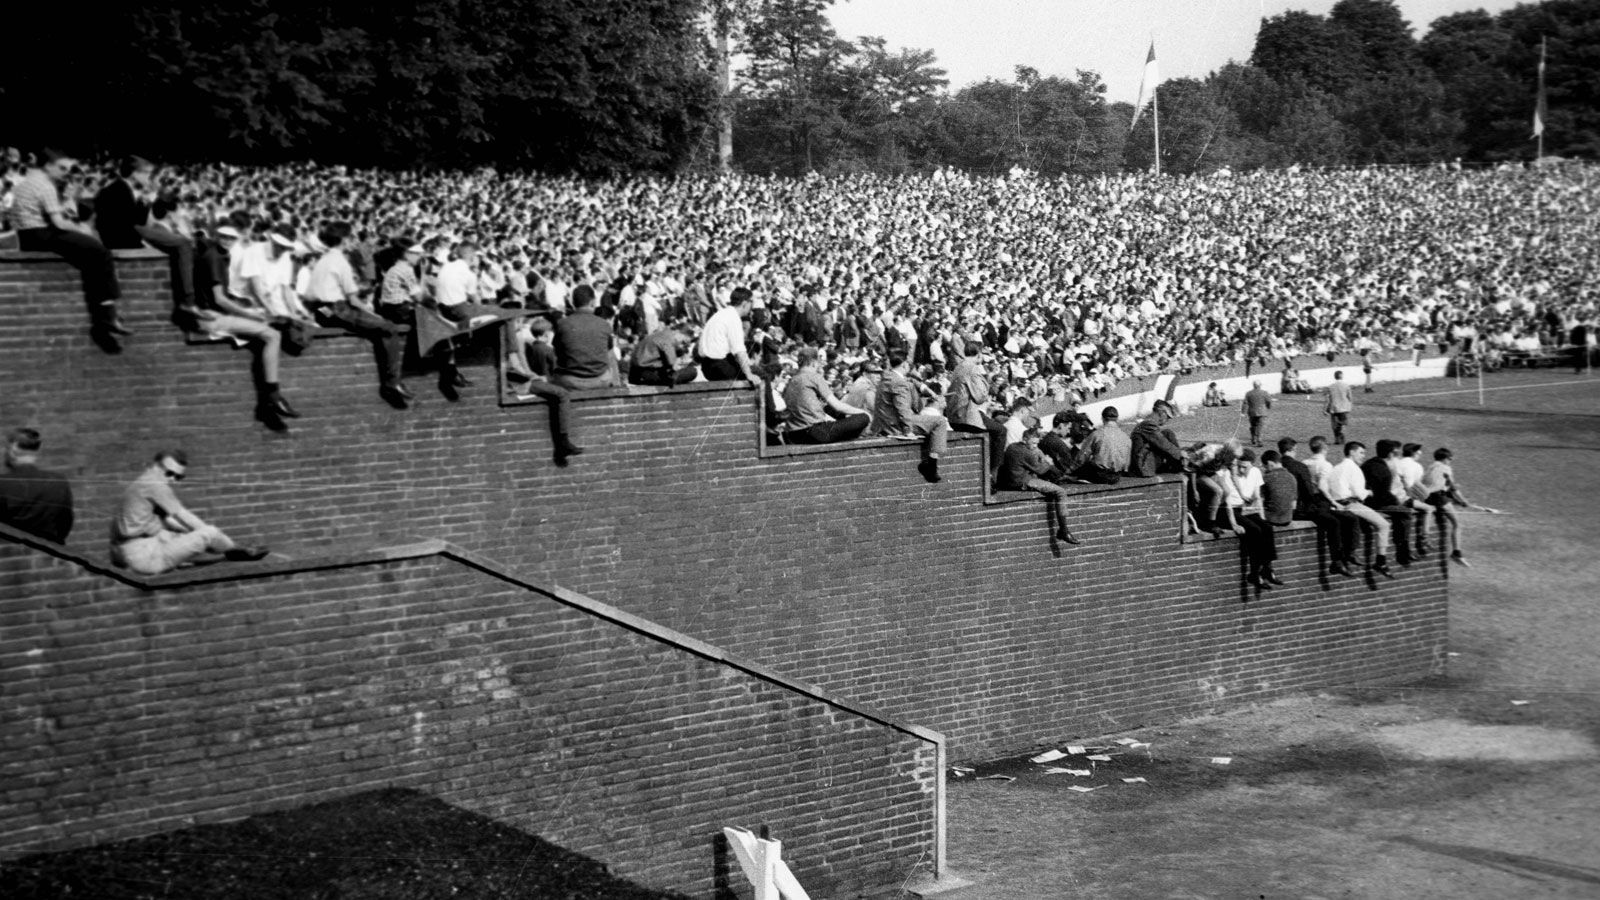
<point>131,711</point>
<point>844,569</point>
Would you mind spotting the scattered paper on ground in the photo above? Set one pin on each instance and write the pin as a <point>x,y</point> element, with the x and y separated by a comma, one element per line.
<point>1520,702</point>
<point>1083,790</point>
<point>1134,781</point>
<point>1048,756</point>
<point>1101,757</point>
<point>1126,741</point>
<point>1076,750</point>
<point>1001,778</point>
<point>1222,760</point>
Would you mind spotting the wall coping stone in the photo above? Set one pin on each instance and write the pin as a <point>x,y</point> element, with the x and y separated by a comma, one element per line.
<point>35,257</point>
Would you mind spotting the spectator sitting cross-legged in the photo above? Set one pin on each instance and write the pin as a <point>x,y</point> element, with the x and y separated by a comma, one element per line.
<point>153,532</point>
<point>812,414</point>
<point>32,499</point>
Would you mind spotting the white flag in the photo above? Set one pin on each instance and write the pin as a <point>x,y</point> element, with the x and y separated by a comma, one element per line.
<point>1147,85</point>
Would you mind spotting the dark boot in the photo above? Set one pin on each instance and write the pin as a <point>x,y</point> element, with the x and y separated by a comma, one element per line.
<point>930,470</point>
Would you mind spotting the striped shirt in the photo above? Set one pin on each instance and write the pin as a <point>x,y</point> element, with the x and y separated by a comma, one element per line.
<point>34,200</point>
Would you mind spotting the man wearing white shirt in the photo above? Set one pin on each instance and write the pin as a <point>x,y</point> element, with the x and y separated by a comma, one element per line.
<point>1347,488</point>
<point>457,281</point>
<point>721,348</point>
<point>335,298</point>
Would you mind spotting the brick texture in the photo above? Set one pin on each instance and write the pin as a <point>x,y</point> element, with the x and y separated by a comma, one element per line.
<point>129,712</point>
<point>843,569</point>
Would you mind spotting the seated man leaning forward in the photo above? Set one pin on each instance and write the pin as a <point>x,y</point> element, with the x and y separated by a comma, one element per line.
<point>1026,468</point>
<point>154,533</point>
<point>812,414</point>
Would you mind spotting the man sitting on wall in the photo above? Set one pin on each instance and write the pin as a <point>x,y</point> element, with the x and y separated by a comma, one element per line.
<point>32,499</point>
<point>154,533</point>
<point>1026,468</point>
<point>812,414</point>
<point>1154,448</point>
<point>895,414</point>
<point>1105,455</point>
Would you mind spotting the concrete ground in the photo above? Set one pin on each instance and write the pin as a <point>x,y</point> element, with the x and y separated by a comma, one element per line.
<point>1480,783</point>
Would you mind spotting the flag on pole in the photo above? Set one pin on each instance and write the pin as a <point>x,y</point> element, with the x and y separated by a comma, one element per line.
<point>1147,85</point>
<point>1539,110</point>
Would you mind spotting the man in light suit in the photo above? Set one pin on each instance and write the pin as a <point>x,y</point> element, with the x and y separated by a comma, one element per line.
<point>967,402</point>
<point>1340,403</point>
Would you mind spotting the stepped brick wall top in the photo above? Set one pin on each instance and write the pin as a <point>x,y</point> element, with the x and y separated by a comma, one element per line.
<point>844,568</point>
<point>135,708</point>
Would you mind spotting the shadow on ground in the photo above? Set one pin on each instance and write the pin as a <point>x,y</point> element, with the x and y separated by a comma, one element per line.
<point>383,845</point>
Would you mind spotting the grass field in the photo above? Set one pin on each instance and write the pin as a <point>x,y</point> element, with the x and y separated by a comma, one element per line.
<point>1317,800</point>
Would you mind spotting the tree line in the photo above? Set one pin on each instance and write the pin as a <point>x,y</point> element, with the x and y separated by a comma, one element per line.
<point>617,86</point>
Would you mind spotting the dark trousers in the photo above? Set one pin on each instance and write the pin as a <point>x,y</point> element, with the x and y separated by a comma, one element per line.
<point>846,429</point>
<point>560,400</point>
<point>1338,529</point>
<point>1097,474</point>
<point>725,369</point>
<point>1256,423</point>
<point>388,340</point>
<point>86,254</point>
<point>1260,541</point>
<point>1409,524</point>
<point>180,254</point>
<point>1338,421</point>
<point>997,437</point>
<point>660,376</point>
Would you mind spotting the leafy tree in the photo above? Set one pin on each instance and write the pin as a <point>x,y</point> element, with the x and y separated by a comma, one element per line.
<point>795,80</point>
<point>1310,47</point>
<point>1381,33</point>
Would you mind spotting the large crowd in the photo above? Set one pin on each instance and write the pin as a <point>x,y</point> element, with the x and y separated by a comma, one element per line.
<point>1081,282</point>
<point>904,306</point>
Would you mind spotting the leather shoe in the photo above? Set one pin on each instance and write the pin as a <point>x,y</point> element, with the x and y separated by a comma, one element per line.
<point>403,391</point>
<point>460,380</point>
<point>267,415</point>
<point>1272,577</point>
<point>1065,536</point>
<point>245,554</point>
<point>282,407</point>
<point>393,397</point>
<point>115,326</point>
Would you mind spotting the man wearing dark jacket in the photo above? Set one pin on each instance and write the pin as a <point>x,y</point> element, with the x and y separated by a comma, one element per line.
<point>122,217</point>
<point>1155,447</point>
<point>1025,468</point>
<point>1387,496</point>
<point>1338,528</point>
<point>32,499</point>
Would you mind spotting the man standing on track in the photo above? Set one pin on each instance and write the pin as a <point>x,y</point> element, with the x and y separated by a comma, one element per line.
<point>1340,403</point>
<point>1256,404</point>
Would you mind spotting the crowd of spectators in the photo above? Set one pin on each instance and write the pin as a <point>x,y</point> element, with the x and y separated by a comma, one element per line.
<point>1077,283</point>
<point>897,306</point>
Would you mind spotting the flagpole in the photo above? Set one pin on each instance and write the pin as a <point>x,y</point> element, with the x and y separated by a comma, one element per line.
<point>1541,111</point>
<point>1155,110</point>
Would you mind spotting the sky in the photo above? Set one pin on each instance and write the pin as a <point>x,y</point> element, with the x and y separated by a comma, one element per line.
<point>978,39</point>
